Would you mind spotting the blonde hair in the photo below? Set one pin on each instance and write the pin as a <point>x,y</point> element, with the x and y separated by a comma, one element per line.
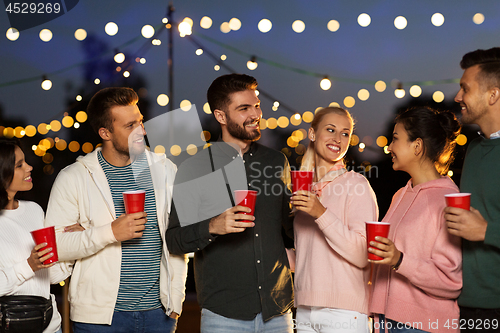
<point>308,159</point>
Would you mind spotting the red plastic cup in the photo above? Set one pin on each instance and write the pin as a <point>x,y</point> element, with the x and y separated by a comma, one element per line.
<point>134,201</point>
<point>374,229</point>
<point>246,198</point>
<point>46,235</point>
<point>302,180</point>
<point>458,200</point>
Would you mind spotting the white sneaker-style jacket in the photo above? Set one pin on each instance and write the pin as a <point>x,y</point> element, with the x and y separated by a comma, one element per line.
<point>81,194</point>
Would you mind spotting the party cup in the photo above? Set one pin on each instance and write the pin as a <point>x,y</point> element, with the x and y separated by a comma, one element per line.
<point>46,235</point>
<point>301,180</point>
<point>134,201</point>
<point>246,198</point>
<point>374,229</point>
<point>458,200</point>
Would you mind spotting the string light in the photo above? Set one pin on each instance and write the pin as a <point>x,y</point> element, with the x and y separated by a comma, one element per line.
<point>46,83</point>
<point>12,34</point>
<point>325,83</point>
<point>119,57</point>
<point>206,22</point>
<point>252,63</point>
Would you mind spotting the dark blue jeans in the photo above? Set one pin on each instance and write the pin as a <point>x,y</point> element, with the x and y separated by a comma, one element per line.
<point>152,321</point>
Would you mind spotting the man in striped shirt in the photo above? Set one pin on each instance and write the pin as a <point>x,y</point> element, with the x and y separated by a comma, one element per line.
<point>124,279</point>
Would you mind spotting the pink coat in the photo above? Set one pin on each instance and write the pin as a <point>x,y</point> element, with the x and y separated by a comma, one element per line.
<point>423,291</point>
<point>331,253</point>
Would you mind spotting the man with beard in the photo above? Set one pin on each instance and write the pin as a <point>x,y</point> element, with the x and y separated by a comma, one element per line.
<point>242,274</point>
<point>479,97</point>
<point>123,278</point>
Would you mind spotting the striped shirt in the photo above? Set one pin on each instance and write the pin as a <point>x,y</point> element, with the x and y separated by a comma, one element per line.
<point>140,267</point>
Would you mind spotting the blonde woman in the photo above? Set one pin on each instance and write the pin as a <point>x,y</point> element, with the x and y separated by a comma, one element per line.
<point>331,273</point>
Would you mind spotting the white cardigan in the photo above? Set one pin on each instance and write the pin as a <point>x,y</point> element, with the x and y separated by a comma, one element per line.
<point>16,243</point>
<point>81,194</point>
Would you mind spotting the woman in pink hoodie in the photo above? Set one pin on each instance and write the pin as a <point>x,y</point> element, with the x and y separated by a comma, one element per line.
<point>420,276</point>
<point>331,272</point>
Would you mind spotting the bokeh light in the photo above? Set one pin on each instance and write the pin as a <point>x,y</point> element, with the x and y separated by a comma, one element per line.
<point>74,146</point>
<point>87,147</point>
<point>298,26</point>
<point>234,24</point>
<point>400,22</point>
<point>80,34</point>
<point>478,18</point>
<point>265,25</point>
<point>415,91</point>
<point>381,141</point>
<point>225,27</point>
<point>46,84</point>
<point>81,116</point>
<point>206,22</point>
<point>185,105</point>
<point>162,99</point>
<point>333,25</point>
<point>206,108</point>
<point>461,139</point>
<point>363,94</point>
<point>45,35</point>
<point>349,101</point>
<point>437,19</point>
<point>67,122</point>
<point>191,149</point>
<point>325,84</point>
<point>438,96</point>
<point>119,58</point>
<point>111,28</point>
<point>307,116</point>
<point>147,31</point>
<point>55,125</point>
<point>12,34</point>
<point>283,122</point>
<point>364,20</point>
<point>399,93</point>
<point>380,86</point>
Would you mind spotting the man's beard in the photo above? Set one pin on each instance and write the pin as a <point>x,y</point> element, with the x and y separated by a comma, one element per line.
<point>127,151</point>
<point>240,132</point>
<point>471,117</point>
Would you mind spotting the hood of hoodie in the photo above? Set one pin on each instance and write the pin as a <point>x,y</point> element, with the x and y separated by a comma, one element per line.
<point>443,182</point>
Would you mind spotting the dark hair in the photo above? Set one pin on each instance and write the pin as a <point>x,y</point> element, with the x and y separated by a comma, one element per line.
<point>223,86</point>
<point>101,103</point>
<point>489,63</point>
<point>438,131</point>
<point>7,164</point>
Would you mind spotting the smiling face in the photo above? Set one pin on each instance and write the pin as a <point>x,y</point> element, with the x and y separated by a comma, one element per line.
<point>402,149</point>
<point>21,181</point>
<point>472,96</point>
<point>127,137</point>
<point>242,117</point>
<point>331,138</point>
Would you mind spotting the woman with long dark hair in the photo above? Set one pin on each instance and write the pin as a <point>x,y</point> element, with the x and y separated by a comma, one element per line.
<point>24,278</point>
<point>420,276</point>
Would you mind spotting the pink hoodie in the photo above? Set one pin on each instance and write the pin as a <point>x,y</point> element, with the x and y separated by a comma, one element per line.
<point>423,291</point>
<point>331,256</point>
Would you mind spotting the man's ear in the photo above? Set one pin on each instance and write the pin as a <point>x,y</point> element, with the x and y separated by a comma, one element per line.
<point>494,96</point>
<point>220,116</point>
<point>105,134</point>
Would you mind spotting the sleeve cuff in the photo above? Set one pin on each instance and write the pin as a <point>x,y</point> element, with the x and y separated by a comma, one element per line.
<point>23,271</point>
<point>205,237</point>
<point>492,234</point>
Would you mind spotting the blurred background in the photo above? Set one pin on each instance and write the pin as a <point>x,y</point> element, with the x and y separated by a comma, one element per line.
<point>375,58</point>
